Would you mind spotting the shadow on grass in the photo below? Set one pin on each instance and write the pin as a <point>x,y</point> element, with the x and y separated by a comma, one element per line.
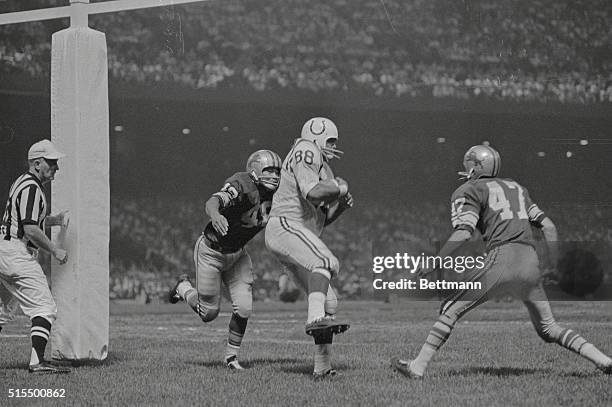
<point>496,371</point>
<point>285,365</point>
<point>112,359</point>
<point>250,363</point>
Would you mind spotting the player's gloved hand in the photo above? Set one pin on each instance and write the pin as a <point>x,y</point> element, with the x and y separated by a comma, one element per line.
<point>343,185</point>
<point>346,201</point>
<point>61,255</point>
<point>220,224</point>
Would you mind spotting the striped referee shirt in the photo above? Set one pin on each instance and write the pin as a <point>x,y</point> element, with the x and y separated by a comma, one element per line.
<point>26,205</point>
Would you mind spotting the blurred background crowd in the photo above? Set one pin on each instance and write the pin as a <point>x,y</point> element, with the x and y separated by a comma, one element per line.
<point>152,243</point>
<point>515,50</point>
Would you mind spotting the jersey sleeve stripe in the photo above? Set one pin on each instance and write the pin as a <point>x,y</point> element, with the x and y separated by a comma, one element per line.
<point>535,214</point>
<point>465,218</point>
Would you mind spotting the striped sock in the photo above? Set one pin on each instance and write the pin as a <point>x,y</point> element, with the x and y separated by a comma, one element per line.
<point>576,343</point>
<point>437,337</point>
<point>237,328</point>
<point>39,333</point>
<point>571,340</point>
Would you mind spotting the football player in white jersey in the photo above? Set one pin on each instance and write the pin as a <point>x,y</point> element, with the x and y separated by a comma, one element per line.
<point>308,198</point>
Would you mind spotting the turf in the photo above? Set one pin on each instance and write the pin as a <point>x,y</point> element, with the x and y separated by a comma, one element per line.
<point>164,355</point>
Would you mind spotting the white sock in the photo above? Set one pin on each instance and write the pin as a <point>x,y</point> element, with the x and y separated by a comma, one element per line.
<point>593,354</point>
<point>316,305</point>
<point>34,358</point>
<point>231,350</point>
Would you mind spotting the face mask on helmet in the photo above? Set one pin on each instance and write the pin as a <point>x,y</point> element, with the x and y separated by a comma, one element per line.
<point>480,161</point>
<point>320,130</point>
<point>264,168</point>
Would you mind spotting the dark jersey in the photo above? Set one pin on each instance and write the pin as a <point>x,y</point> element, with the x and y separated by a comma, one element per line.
<point>500,209</point>
<point>26,205</point>
<point>245,208</point>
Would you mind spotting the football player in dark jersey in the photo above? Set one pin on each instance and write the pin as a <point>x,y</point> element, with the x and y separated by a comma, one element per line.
<point>502,210</point>
<point>237,213</point>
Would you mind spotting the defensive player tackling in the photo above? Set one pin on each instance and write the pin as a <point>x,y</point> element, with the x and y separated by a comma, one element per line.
<point>309,198</point>
<point>502,210</point>
<point>237,213</point>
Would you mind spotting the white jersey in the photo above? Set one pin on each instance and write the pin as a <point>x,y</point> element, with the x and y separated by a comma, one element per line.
<point>303,168</point>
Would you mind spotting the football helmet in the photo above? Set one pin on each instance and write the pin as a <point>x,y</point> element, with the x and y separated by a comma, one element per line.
<point>480,161</point>
<point>319,130</point>
<point>260,161</point>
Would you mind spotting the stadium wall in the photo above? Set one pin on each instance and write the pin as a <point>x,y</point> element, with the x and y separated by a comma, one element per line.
<point>395,149</point>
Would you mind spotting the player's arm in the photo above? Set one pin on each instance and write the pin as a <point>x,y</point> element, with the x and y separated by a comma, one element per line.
<point>34,234</point>
<point>538,218</point>
<point>464,217</point>
<point>338,209</point>
<point>219,222</point>
<point>327,191</point>
<point>550,234</point>
<point>226,197</point>
<point>306,163</point>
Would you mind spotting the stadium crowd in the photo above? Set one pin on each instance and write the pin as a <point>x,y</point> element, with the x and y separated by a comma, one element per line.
<point>518,50</point>
<point>152,243</point>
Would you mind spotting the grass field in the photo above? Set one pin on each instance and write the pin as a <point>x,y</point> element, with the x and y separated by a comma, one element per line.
<point>164,355</point>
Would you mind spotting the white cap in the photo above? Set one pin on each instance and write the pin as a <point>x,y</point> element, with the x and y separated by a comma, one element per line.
<point>44,149</point>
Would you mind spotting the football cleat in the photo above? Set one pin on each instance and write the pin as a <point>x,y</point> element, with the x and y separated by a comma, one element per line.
<point>607,369</point>
<point>480,161</point>
<point>45,367</point>
<point>233,364</point>
<point>325,324</point>
<point>326,374</point>
<point>173,295</point>
<point>403,367</point>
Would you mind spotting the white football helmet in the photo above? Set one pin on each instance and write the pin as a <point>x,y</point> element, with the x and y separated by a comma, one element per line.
<point>480,161</point>
<point>260,161</point>
<point>319,130</point>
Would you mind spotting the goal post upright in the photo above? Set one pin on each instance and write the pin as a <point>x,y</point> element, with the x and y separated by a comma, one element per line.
<point>80,128</point>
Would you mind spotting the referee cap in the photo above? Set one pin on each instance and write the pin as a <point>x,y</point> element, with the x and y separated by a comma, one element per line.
<point>44,149</point>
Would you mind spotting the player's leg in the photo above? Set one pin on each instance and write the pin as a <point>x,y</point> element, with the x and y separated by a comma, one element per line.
<point>8,305</point>
<point>205,298</point>
<point>455,307</point>
<point>550,331</point>
<point>27,283</point>
<point>323,341</point>
<point>295,244</point>
<point>239,281</point>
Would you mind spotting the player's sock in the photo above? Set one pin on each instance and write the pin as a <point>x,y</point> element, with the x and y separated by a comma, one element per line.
<point>322,356</point>
<point>437,337</point>
<point>39,333</point>
<point>571,340</point>
<point>237,328</point>
<point>318,284</point>
<point>316,305</point>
